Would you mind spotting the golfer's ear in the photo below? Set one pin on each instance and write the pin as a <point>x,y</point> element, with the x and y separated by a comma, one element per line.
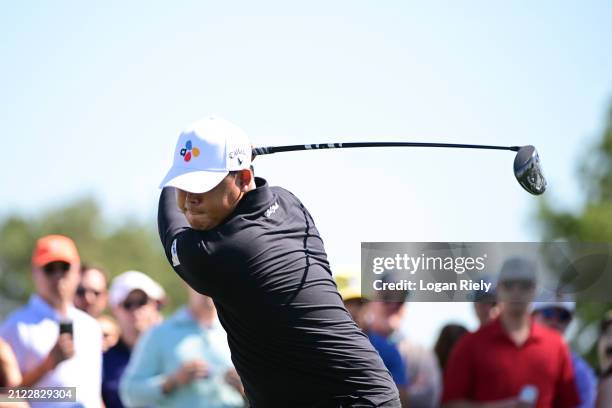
<point>180,199</point>
<point>246,177</point>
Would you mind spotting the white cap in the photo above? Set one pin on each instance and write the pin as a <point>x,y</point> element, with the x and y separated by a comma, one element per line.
<point>128,281</point>
<point>205,153</point>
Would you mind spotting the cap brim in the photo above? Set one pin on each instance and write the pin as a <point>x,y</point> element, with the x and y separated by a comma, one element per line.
<point>42,260</point>
<point>193,181</point>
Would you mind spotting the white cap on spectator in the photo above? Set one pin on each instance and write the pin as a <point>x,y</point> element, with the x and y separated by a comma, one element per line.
<point>128,281</point>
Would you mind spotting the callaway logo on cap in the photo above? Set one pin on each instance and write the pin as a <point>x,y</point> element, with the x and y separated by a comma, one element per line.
<point>205,153</point>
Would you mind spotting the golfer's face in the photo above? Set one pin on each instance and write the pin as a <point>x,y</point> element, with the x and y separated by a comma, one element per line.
<point>205,211</point>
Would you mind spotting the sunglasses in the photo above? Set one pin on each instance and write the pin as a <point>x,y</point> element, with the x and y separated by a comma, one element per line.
<point>134,304</point>
<point>523,285</point>
<point>561,315</point>
<point>82,291</point>
<point>53,267</point>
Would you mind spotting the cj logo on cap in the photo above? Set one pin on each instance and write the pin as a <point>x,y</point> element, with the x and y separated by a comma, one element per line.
<point>189,151</point>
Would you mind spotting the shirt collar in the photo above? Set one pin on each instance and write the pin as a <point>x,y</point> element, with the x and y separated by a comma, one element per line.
<point>535,331</point>
<point>40,306</point>
<point>182,315</point>
<point>255,199</point>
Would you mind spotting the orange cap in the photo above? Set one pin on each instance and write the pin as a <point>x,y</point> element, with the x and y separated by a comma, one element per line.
<point>53,248</point>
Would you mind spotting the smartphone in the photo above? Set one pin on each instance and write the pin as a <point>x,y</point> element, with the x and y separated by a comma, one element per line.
<point>65,326</point>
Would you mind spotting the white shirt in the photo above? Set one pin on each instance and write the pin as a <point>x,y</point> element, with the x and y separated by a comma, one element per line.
<point>32,331</point>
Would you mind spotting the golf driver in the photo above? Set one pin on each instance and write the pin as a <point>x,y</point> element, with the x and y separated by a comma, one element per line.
<point>527,168</point>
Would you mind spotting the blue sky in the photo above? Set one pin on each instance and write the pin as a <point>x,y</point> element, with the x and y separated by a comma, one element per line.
<point>94,96</point>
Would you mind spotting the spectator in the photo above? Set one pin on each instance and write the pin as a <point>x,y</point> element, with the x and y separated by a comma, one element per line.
<point>604,352</point>
<point>512,359</point>
<point>110,332</point>
<point>183,362</point>
<point>135,300</point>
<point>377,328</point>
<point>425,386</point>
<point>449,336</point>
<point>91,295</point>
<point>557,316</point>
<point>47,358</point>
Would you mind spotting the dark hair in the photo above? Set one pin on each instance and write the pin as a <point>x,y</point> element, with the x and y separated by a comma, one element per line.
<point>450,334</point>
<point>86,267</point>
<point>234,172</point>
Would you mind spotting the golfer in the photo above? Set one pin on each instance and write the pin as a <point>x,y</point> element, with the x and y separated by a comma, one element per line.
<point>256,251</point>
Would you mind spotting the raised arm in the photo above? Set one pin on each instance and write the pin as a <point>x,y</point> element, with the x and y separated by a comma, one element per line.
<point>186,249</point>
<point>170,220</point>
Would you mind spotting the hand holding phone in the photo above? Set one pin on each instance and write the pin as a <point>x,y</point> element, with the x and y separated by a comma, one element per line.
<point>66,326</point>
<point>64,347</point>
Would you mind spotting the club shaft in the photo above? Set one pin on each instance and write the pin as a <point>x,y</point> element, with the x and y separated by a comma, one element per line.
<point>292,148</point>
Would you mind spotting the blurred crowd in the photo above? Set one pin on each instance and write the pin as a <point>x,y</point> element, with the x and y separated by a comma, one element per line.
<point>517,358</point>
<point>110,340</point>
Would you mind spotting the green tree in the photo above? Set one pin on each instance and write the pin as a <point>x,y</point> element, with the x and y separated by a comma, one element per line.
<point>593,223</point>
<point>116,246</point>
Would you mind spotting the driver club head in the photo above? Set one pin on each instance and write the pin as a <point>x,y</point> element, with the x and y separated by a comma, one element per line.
<point>528,170</point>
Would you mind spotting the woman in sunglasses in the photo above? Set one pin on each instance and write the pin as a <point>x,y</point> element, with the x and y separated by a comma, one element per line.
<point>135,301</point>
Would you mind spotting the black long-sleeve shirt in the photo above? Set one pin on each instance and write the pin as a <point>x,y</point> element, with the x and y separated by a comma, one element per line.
<point>292,341</point>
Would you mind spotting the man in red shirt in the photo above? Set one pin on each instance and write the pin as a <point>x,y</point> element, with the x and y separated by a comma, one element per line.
<point>511,362</point>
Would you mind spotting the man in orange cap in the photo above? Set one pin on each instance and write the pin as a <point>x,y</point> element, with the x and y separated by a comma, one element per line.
<point>54,342</point>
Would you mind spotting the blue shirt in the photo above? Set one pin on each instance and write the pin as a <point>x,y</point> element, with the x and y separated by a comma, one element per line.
<point>391,357</point>
<point>162,350</point>
<point>586,382</point>
<point>114,362</point>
